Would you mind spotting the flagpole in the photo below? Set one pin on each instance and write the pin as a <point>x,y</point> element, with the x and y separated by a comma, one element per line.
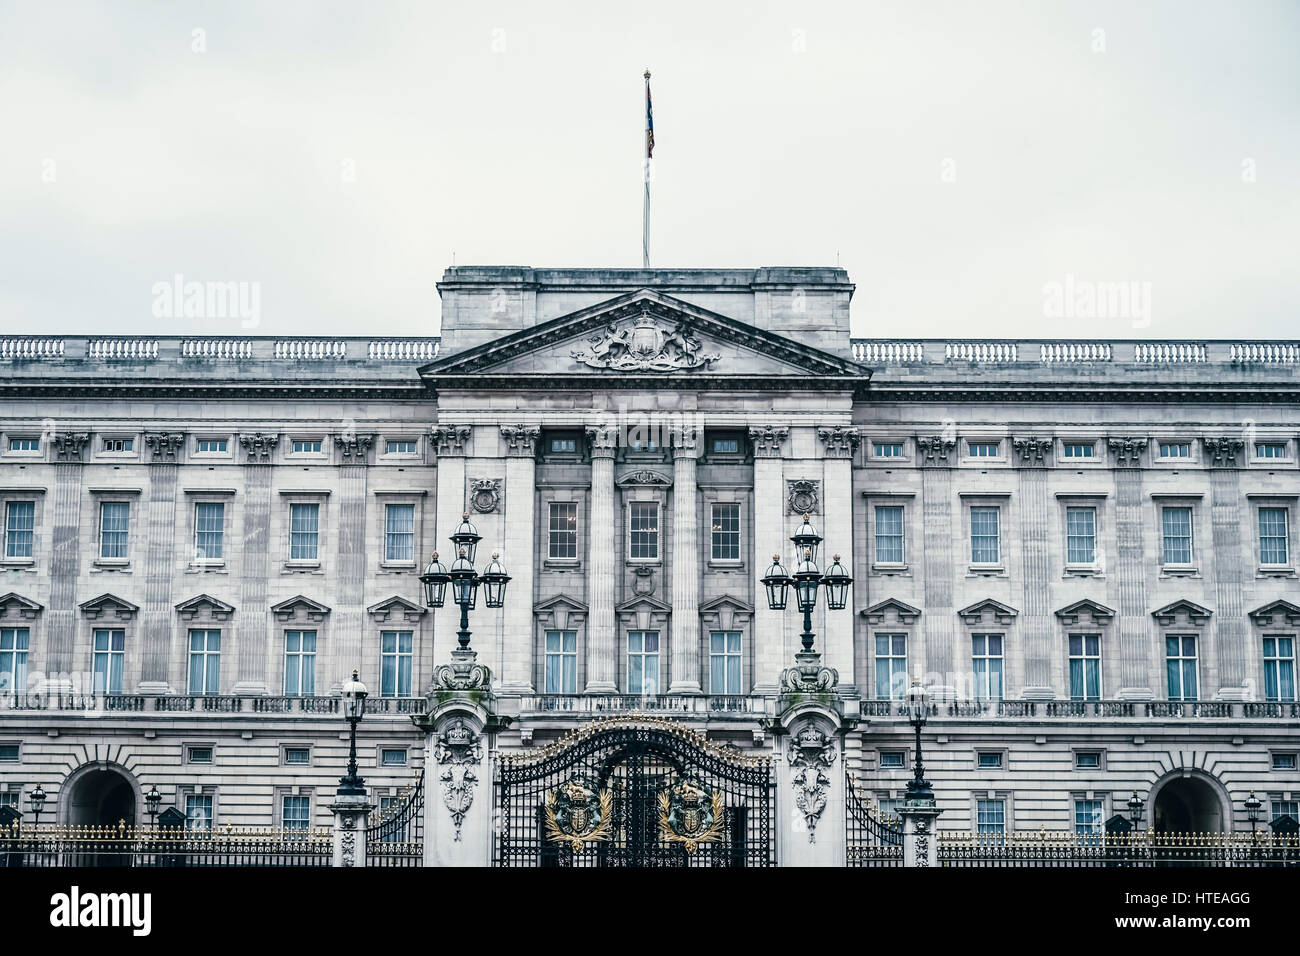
<point>645,175</point>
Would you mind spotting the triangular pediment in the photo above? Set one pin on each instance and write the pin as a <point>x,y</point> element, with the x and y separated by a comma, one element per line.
<point>110,607</point>
<point>14,605</point>
<point>1097,613</point>
<point>644,336</point>
<point>300,606</point>
<point>1170,613</point>
<point>988,611</point>
<point>560,601</point>
<point>1275,612</point>
<point>905,613</point>
<point>205,604</point>
<point>396,608</point>
<point>643,602</point>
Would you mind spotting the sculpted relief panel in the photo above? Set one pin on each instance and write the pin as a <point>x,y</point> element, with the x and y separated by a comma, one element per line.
<point>645,344</point>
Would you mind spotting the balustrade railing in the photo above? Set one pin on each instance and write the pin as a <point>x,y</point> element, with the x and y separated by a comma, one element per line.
<point>378,350</point>
<point>147,846</point>
<point>1055,352</point>
<point>620,704</point>
<point>1135,849</point>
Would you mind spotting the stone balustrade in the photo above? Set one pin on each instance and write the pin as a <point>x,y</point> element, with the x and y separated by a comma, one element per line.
<point>1073,352</point>
<point>385,350</point>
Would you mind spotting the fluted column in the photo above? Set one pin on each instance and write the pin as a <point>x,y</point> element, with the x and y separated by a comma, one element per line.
<point>1036,626</point>
<point>159,647</point>
<point>686,567</point>
<point>1231,647</point>
<point>518,553</point>
<point>602,639</point>
<point>840,444</point>
<point>451,443</point>
<point>1137,670</point>
<point>347,635</point>
<point>252,623</point>
<point>65,554</point>
<point>769,539</point>
<point>934,455</point>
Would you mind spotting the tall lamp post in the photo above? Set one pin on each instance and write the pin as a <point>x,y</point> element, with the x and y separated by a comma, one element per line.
<point>354,708</point>
<point>464,580</point>
<point>36,799</point>
<point>918,710</point>
<point>806,581</point>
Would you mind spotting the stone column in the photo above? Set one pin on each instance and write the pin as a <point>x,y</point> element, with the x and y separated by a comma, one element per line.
<point>351,811</point>
<point>840,444</point>
<point>63,516</point>
<point>459,725</point>
<point>349,626</point>
<point>940,565</point>
<point>686,567</point>
<point>1231,649</point>
<point>518,555</point>
<point>1134,622</point>
<point>252,622</point>
<point>809,760</point>
<point>769,539</point>
<point>156,631</point>
<point>602,566</point>
<point>920,841</point>
<point>1036,629</point>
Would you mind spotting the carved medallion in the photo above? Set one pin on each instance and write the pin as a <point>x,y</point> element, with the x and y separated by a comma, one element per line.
<point>691,815</point>
<point>485,495</point>
<point>645,344</point>
<point>802,497</point>
<point>576,814</point>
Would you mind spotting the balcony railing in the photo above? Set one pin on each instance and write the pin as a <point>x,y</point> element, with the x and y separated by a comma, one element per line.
<point>212,704</point>
<point>377,350</point>
<point>1054,352</point>
<point>600,704</point>
<point>1076,709</point>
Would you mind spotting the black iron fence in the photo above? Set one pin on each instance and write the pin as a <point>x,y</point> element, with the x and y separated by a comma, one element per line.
<point>872,837</point>
<point>1141,849</point>
<point>126,845</point>
<point>395,835</point>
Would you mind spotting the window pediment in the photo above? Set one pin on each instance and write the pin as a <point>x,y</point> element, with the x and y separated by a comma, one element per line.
<point>205,604</point>
<point>109,607</point>
<point>904,613</point>
<point>988,611</point>
<point>643,613</point>
<point>1275,612</point>
<point>727,613</point>
<point>14,605</point>
<point>396,608</point>
<point>1191,613</point>
<point>1094,612</point>
<point>300,608</point>
<point>561,612</point>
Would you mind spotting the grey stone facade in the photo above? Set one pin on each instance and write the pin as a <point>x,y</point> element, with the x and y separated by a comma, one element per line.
<point>637,444</point>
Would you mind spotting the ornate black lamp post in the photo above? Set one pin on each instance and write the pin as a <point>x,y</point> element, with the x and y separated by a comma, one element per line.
<point>37,801</point>
<point>918,710</point>
<point>464,580</point>
<point>152,800</point>
<point>806,580</point>
<point>1252,806</point>
<point>354,708</point>
<point>1135,810</point>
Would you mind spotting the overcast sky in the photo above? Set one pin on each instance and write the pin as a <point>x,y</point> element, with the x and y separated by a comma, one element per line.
<point>954,157</point>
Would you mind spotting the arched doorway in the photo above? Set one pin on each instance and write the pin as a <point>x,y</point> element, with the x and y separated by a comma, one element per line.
<point>101,795</point>
<point>1188,803</point>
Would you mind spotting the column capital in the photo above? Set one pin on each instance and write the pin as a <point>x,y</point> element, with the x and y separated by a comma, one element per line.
<point>768,439</point>
<point>521,440</point>
<point>164,447</point>
<point>1033,451</point>
<point>841,441</point>
<point>355,448</point>
<point>685,441</point>
<point>258,447</point>
<point>1127,451</point>
<point>69,446</point>
<point>602,440</point>
<point>934,450</point>
<point>449,440</point>
<point>1223,452</point>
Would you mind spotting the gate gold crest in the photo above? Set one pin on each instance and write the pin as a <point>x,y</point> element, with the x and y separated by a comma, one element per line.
<point>576,814</point>
<point>691,815</point>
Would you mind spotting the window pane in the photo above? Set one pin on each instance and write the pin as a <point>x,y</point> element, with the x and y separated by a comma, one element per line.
<point>303,530</point>
<point>563,529</point>
<point>984,535</point>
<point>114,524</point>
<point>1272,536</point>
<point>209,530</point>
<point>1081,531</point>
<point>20,519</point>
<point>643,520</point>
<point>889,534</point>
<point>399,533</point>
<point>726,531</point>
<point>1177,527</point>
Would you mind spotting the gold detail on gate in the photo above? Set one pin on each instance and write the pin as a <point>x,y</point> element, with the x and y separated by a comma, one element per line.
<point>691,815</point>
<point>576,814</point>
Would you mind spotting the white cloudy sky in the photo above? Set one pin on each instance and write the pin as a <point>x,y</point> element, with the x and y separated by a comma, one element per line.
<point>787,134</point>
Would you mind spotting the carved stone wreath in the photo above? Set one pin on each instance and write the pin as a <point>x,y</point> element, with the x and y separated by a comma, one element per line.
<point>802,497</point>
<point>485,495</point>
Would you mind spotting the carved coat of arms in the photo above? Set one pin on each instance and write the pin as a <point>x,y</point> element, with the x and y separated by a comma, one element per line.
<point>576,814</point>
<point>691,815</point>
<point>644,344</point>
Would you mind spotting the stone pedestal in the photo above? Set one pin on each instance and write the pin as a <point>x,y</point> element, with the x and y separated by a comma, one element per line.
<point>808,737</point>
<point>459,723</point>
<point>351,810</point>
<point>919,837</point>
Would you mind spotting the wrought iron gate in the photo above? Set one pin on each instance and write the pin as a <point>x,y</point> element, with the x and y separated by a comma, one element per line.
<point>637,792</point>
<point>872,838</point>
<point>395,834</point>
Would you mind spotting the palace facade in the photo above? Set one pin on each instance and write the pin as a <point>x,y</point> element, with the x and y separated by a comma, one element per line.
<point>1086,548</point>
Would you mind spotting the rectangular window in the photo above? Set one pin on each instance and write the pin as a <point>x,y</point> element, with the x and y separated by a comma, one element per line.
<point>119,444</point>
<point>297,755</point>
<point>892,760</point>
<point>1284,761</point>
<point>1087,760</point>
<point>299,663</point>
<point>1272,536</point>
<point>1077,450</point>
<point>563,446</point>
<point>1085,667</point>
<point>887,449</point>
<point>1286,808</point>
<point>643,530</point>
<point>399,533</point>
<point>1175,449</point>
<point>1270,449</point>
<point>991,817</point>
<point>643,663</point>
<point>307,447</point>
<point>562,530</point>
<point>891,666</point>
<point>984,543</point>
<point>726,446</point>
<point>8,753</point>
<point>989,760</point>
<point>114,527</point>
<point>396,654</point>
<point>724,662</point>
<point>1087,816</point>
<point>986,661</point>
<point>110,646</point>
<point>889,534</point>
<point>9,798</point>
<point>1180,666</point>
<point>561,666</point>
<point>295,812</point>
<point>401,446</point>
<point>209,531</point>
<point>1081,535</point>
<point>726,531</point>
<point>198,812</point>
<point>24,444</point>
<point>983,449</point>
<point>198,755</point>
<point>1279,668</point>
<point>1176,525</point>
<point>14,646</point>
<point>212,446</point>
<point>304,529</point>
<point>20,522</point>
<point>205,662</point>
<point>394,757</point>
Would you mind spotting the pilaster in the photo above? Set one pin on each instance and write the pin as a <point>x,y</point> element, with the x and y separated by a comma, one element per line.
<point>602,639</point>
<point>1229,633</point>
<point>839,446</point>
<point>349,628</point>
<point>1036,627</point>
<point>685,570</point>
<point>1133,626</point>
<point>934,456</point>
<point>156,632</point>
<point>65,559</point>
<point>252,628</point>
<point>768,442</point>
<point>518,554</point>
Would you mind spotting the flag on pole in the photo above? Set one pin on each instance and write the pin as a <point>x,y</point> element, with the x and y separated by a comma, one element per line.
<point>649,121</point>
<point>645,174</point>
